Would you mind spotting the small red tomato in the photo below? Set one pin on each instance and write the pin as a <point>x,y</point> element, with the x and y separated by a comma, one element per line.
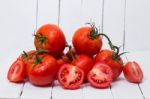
<point>70,77</point>
<point>132,72</point>
<point>43,70</point>
<point>50,37</point>
<point>106,56</point>
<point>100,76</point>
<point>87,41</point>
<point>84,62</point>
<point>17,71</point>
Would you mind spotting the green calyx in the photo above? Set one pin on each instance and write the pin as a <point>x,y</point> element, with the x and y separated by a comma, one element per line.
<point>40,39</point>
<point>25,55</point>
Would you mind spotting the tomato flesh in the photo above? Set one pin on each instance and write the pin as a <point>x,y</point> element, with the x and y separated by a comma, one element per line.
<point>100,76</point>
<point>17,71</point>
<point>132,72</point>
<point>70,77</point>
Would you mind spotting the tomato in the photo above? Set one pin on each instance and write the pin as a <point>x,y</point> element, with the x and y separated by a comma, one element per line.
<point>132,72</point>
<point>84,62</point>
<point>106,56</point>
<point>70,77</point>
<point>50,37</point>
<point>43,70</point>
<point>17,71</point>
<point>100,76</point>
<point>87,41</point>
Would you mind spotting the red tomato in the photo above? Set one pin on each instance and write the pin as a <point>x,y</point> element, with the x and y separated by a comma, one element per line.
<point>17,71</point>
<point>44,72</point>
<point>50,37</point>
<point>70,77</point>
<point>84,62</point>
<point>133,72</point>
<point>86,41</point>
<point>100,76</point>
<point>106,56</point>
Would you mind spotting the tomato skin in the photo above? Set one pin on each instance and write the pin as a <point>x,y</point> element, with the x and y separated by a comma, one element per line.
<point>43,74</point>
<point>55,40</point>
<point>100,76</point>
<point>84,62</point>
<point>132,72</point>
<point>81,40</point>
<point>105,56</point>
<point>70,77</point>
<point>17,71</point>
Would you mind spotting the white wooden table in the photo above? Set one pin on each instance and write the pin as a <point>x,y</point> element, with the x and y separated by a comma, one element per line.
<point>127,22</point>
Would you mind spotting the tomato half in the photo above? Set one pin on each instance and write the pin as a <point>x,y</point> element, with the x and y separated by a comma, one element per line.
<point>106,56</point>
<point>17,71</point>
<point>70,77</point>
<point>85,42</point>
<point>133,72</point>
<point>50,37</point>
<point>44,72</point>
<point>100,76</point>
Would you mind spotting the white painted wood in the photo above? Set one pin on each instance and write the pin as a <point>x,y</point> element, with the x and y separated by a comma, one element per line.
<point>17,21</point>
<point>60,93</point>
<point>137,25</point>
<point>92,12</point>
<point>47,12</point>
<point>34,92</point>
<point>70,17</point>
<point>142,57</point>
<point>92,93</point>
<point>113,23</point>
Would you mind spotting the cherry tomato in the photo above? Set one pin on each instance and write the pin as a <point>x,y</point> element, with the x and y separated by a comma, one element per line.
<point>43,70</point>
<point>100,76</point>
<point>70,77</point>
<point>106,56</point>
<point>17,71</point>
<point>84,62</point>
<point>132,72</point>
<point>86,41</point>
<point>50,37</point>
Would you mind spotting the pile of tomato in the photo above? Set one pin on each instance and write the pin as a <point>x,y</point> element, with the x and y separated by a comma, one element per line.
<point>85,61</point>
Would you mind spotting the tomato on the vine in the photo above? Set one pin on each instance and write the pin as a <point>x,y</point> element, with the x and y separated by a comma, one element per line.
<point>100,76</point>
<point>50,37</point>
<point>70,77</point>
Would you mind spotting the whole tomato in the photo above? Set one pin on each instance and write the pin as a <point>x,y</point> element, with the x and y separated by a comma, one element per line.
<point>86,40</point>
<point>50,37</point>
<point>107,57</point>
<point>43,70</point>
<point>132,72</point>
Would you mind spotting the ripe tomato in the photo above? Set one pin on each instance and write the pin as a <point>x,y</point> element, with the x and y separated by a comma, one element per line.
<point>70,77</point>
<point>133,72</point>
<point>50,37</point>
<point>43,70</point>
<point>17,71</point>
<point>87,41</point>
<point>106,56</point>
<point>84,62</point>
<point>100,76</point>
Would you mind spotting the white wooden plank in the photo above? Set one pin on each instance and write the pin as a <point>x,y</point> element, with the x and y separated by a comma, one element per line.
<point>70,17</point>
<point>143,59</point>
<point>17,26</point>
<point>47,12</point>
<point>35,92</point>
<point>92,12</point>
<point>137,25</point>
<point>92,93</point>
<point>113,23</point>
<point>60,93</point>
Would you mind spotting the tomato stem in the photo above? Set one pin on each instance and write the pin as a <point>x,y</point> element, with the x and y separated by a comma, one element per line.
<point>70,52</point>
<point>25,55</point>
<point>40,39</point>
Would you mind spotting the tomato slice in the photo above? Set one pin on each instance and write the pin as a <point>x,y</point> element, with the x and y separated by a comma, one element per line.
<point>132,72</point>
<point>100,76</point>
<point>70,77</point>
<point>17,71</point>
